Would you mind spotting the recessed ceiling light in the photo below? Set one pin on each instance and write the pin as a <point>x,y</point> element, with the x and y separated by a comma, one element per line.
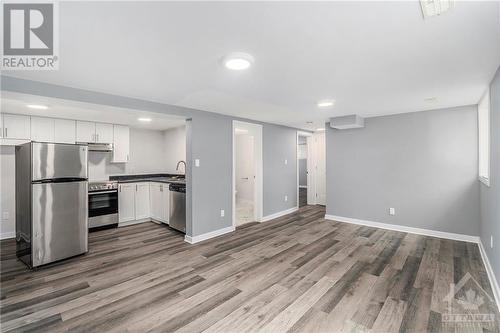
<point>320,129</point>
<point>238,61</point>
<point>326,103</point>
<point>144,119</point>
<point>37,106</point>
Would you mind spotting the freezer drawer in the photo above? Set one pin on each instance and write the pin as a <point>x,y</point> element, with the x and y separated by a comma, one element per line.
<point>59,221</point>
<point>57,161</point>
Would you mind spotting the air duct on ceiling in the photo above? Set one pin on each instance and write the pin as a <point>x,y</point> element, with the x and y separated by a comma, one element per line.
<point>347,122</point>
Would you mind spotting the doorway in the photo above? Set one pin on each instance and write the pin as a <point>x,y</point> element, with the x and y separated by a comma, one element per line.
<point>304,146</point>
<point>247,173</point>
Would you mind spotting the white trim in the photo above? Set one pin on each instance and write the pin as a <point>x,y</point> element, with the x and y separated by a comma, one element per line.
<point>7,235</point>
<point>208,235</point>
<point>395,227</point>
<point>484,180</point>
<point>279,214</point>
<point>491,274</point>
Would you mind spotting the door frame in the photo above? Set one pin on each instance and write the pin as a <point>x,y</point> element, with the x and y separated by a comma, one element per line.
<point>307,135</point>
<point>256,130</point>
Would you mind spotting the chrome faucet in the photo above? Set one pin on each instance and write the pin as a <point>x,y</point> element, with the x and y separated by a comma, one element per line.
<point>177,167</point>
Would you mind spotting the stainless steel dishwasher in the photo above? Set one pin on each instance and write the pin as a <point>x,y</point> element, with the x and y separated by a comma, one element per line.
<point>177,214</point>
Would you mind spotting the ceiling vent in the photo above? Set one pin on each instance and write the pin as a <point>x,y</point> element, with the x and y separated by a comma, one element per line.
<point>347,122</point>
<point>435,7</point>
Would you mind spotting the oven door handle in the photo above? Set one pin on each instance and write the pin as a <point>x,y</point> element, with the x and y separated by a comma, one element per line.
<point>103,192</point>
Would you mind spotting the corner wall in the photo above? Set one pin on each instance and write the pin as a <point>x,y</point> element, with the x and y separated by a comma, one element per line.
<point>424,164</point>
<point>490,196</point>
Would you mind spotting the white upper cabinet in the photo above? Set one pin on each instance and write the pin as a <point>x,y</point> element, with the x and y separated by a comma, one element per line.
<point>121,143</point>
<point>104,133</point>
<point>42,129</point>
<point>85,131</point>
<point>64,131</point>
<point>16,126</point>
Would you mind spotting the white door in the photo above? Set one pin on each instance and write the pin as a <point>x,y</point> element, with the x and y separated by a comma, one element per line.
<point>16,126</point>
<point>85,131</point>
<point>126,202</point>
<point>142,201</point>
<point>104,133</point>
<point>156,198</point>
<point>65,131</point>
<point>320,168</point>
<point>121,143</point>
<point>42,129</point>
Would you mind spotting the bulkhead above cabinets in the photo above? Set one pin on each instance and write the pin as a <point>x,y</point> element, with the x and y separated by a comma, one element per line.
<point>16,129</point>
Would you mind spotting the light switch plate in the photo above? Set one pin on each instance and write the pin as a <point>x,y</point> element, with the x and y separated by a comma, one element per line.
<point>286,162</point>
<point>222,213</point>
<point>286,197</point>
<point>197,162</point>
<point>392,211</point>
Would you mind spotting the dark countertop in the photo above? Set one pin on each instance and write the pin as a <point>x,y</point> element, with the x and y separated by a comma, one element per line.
<point>159,178</point>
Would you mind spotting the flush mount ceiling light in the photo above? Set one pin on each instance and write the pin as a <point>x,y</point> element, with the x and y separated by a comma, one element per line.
<point>237,61</point>
<point>326,103</point>
<point>320,129</point>
<point>240,131</point>
<point>435,7</point>
<point>144,119</point>
<point>37,106</point>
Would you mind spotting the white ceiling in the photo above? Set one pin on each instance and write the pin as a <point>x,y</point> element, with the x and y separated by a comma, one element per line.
<point>16,103</point>
<point>373,58</point>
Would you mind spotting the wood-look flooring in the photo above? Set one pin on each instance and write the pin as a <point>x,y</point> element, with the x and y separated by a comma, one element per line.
<point>298,273</point>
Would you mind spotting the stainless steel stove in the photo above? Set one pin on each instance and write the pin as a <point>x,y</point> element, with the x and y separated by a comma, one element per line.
<point>103,203</point>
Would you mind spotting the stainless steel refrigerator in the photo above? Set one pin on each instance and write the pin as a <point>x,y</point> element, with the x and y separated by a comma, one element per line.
<point>51,202</point>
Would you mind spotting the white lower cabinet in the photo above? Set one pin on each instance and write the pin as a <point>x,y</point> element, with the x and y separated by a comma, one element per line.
<point>143,200</point>
<point>142,210</point>
<point>126,202</point>
<point>160,200</point>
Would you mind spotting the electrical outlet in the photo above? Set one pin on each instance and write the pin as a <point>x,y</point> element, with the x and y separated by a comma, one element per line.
<point>491,241</point>
<point>392,211</point>
<point>222,213</point>
<point>286,162</point>
<point>286,198</point>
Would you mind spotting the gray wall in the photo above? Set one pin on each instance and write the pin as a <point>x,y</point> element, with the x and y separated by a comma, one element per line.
<point>175,145</point>
<point>424,164</point>
<point>490,196</point>
<point>280,179</point>
<point>209,139</point>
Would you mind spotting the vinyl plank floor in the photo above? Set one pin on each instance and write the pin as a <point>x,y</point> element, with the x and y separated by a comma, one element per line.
<point>297,273</point>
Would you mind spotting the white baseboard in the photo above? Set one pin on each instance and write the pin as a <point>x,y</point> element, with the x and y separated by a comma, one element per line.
<point>395,227</point>
<point>302,186</point>
<point>491,274</point>
<point>279,214</point>
<point>208,235</point>
<point>7,235</point>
